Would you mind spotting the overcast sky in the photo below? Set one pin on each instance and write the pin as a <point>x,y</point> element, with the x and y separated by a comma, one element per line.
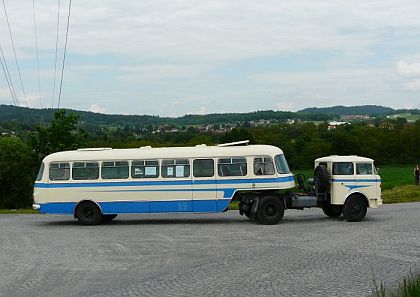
<point>175,57</point>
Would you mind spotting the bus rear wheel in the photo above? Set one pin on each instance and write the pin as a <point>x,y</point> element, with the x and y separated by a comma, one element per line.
<point>270,210</point>
<point>88,213</point>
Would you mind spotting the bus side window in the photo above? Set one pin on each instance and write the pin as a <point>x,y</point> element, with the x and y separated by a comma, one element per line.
<point>85,170</point>
<point>59,171</point>
<point>145,169</point>
<point>114,170</point>
<point>203,168</point>
<point>175,168</point>
<point>263,166</point>
<point>235,166</point>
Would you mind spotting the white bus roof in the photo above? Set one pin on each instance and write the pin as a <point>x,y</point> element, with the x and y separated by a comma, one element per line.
<point>335,158</point>
<point>199,151</point>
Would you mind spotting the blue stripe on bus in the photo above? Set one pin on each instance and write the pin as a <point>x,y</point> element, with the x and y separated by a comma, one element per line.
<point>162,183</point>
<point>227,192</point>
<point>214,205</point>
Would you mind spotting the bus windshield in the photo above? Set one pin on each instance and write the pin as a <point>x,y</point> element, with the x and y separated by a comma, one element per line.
<point>40,172</point>
<point>281,164</point>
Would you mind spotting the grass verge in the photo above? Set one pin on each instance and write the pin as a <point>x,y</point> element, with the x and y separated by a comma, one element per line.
<point>18,211</point>
<point>407,193</point>
<point>409,287</point>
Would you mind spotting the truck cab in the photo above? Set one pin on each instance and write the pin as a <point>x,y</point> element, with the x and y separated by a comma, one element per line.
<point>349,175</point>
<point>348,185</point>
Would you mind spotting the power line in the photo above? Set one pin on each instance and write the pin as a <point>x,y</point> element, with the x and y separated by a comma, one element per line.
<point>14,51</point>
<point>37,54</point>
<point>8,77</point>
<point>64,56</point>
<point>9,82</point>
<point>56,53</point>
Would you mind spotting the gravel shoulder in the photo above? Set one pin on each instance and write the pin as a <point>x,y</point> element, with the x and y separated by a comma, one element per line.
<point>222,254</point>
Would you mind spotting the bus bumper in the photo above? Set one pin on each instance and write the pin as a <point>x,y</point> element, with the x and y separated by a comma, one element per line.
<point>36,206</point>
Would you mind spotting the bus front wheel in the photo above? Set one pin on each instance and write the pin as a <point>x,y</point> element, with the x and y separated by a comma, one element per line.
<point>88,213</point>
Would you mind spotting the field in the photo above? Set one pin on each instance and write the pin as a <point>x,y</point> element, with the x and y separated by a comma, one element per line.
<point>392,176</point>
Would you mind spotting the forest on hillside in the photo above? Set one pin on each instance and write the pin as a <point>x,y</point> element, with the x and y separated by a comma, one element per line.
<point>393,141</point>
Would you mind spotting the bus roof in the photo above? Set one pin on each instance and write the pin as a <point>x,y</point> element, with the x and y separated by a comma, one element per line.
<point>199,151</point>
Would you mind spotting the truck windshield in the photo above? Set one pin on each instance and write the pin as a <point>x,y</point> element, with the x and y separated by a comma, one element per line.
<point>40,172</point>
<point>281,164</point>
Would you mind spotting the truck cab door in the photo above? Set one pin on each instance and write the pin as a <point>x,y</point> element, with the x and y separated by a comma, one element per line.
<point>342,182</point>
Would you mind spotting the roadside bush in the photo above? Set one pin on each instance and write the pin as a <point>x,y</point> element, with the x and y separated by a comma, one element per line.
<point>17,168</point>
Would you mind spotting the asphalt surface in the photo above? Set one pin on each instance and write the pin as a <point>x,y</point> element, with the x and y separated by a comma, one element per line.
<point>223,254</point>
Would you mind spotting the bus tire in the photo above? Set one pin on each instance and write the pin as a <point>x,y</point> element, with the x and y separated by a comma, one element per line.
<point>333,211</point>
<point>355,208</point>
<point>88,213</point>
<point>270,210</point>
<point>109,217</point>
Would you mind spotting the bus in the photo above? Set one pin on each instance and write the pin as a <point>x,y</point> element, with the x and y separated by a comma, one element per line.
<point>96,184</point>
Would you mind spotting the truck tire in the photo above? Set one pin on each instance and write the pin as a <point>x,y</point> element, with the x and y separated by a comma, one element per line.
<point>270,210</point>
<point>355,208</point>
<point>321,178</point>
<point>88,213</point>
<point>333,211</point>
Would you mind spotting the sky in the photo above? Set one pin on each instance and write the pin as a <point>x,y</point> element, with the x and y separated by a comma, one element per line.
<point>177,57</point>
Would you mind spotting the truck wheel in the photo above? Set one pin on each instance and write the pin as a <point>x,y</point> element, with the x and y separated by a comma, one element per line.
<point>333,211</point>
<point>355,208</point>
<point>321,178</point>
<point>270,211</point>
<point>88,213</point>
<point>245,209</point>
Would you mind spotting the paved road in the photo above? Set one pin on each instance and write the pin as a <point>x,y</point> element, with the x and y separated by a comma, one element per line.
<point>207,255</point>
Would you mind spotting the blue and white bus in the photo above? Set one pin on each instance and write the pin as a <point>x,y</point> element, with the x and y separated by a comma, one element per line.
<point>94,185</point>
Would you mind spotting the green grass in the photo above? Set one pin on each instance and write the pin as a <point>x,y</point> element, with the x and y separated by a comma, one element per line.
<point>391,176</point>
<point>409,287</point>
<point>18,211</point>
<point>407,193</point>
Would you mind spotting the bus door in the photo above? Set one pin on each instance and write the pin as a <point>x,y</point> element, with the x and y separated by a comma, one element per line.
<point>175,189</point>
<point>204,186</point>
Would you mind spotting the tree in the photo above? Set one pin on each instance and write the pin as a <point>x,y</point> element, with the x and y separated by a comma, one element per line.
<point>17,166</point>
<point>62,134</point>
<point>238,134</point>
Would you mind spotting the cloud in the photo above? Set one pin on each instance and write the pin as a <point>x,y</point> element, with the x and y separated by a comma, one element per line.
<point>412,85</point>
<point>97,108</point>
<point>159,71</point>
<point>185,55</point>
<point>408,70</point>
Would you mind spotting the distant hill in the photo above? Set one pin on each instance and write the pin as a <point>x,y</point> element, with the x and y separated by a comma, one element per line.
<point>372,110</point>
<point>32,116</point>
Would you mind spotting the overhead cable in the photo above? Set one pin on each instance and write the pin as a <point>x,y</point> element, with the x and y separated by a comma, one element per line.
<point>9,82</point>
<point>37,54</point>
<point>64,55</point>
<point>56,53</point>
<point>14,51</point>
